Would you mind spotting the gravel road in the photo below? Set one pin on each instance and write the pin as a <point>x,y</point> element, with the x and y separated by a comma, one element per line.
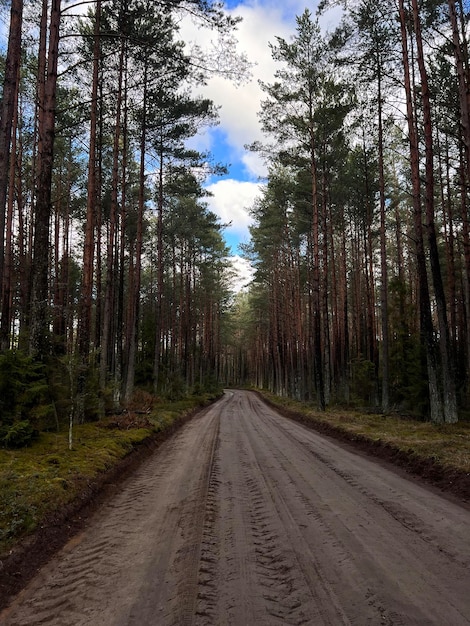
<point>246,518</point>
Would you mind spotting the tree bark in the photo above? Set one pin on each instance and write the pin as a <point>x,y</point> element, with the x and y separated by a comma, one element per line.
<point>447,381</point>
<point>426,325</point>
<point>38,340</point>
<point>84,320</point>
<point>160,276</point>
<point>464,87</point>
<point>135,293</point>
<point>8,106</point>
<point>107,344</point>
<point>383,250</point>
<point>316,308</point>
<point>7,278</point>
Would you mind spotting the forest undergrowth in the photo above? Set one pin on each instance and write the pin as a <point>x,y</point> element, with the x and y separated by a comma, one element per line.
<point>40,481</point>
<point>447,443</point>
<point>439,453</point>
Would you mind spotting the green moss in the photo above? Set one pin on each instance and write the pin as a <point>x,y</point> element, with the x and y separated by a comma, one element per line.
<point>448,443</point>
<point>37,480</point>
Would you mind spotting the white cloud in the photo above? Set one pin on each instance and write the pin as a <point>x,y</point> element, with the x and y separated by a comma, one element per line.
<point>243,272</point>
<point>231,201</point>
<point>254,165</point>
<point>240,104</point>
<point>262,22</point>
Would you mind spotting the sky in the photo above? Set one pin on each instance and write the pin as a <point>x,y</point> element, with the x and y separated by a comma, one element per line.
<point>233,194</point>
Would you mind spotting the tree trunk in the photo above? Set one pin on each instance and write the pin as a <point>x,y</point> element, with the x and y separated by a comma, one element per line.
<point>39,341</point>
<point>383,251</point>
<point>426,325</point>
<point>159,299</point>
<point>370,351</point>
<point>123,328</point>
<point>107,344</point>
<point>466,252</point>
<point>449,397</point>
<point>464,88</point>
<point>135,293</point>
<point>7,287</point>
<point>8,106</point>
<point>316,308</point>
<point>84,320</point>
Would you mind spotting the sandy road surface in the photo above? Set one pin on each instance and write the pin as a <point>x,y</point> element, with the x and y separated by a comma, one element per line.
<point>249,519</point>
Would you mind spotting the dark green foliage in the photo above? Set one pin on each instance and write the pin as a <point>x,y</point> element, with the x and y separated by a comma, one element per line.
<point>209,384</point>
<point>25,402</point>
<point>16,517</point>
<point>18,434</point>
<point>363,379</point>
<point>176,389</point>
<point>408,375</point>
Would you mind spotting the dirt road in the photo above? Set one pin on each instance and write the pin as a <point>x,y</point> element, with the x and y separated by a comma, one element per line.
<point>245,518</point>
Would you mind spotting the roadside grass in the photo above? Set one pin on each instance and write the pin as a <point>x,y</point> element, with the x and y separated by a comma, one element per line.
<point>39,480</point>
<point>447,444</point>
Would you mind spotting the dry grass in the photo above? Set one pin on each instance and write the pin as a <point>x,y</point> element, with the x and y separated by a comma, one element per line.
<point>447,444</point>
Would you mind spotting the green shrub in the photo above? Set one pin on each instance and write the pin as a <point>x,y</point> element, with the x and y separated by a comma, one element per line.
<point>26,405</point>
<point>18,435</point>
<point>364,380</point>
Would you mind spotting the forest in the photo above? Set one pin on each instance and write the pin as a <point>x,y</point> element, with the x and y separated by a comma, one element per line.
<point>115,275</point>
<point>361,238</point>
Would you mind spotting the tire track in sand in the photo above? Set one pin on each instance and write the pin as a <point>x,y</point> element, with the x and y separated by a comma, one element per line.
<point>244,518</point>
<point>137,561</point>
